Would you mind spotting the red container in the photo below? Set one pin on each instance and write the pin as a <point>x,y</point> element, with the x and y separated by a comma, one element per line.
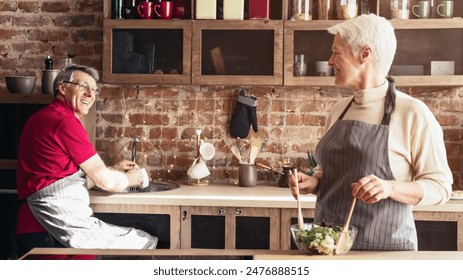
<point>259,9</point>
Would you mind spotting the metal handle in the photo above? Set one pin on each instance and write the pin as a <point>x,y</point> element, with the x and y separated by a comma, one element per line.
<point>221,211</point>
<point>134,148</point>
<point>238,211</point>
<point>184,215</point>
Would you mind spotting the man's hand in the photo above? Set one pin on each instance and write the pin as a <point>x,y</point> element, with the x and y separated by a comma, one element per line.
<point>125,165</point>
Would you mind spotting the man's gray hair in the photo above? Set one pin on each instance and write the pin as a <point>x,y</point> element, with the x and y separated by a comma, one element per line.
<point>67,73</point>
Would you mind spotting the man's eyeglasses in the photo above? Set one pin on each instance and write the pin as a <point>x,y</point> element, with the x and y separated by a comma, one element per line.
<point>84,87</point>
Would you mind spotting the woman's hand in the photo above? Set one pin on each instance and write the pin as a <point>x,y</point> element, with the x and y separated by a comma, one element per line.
<point>125,165</point>
<point>371,189</point>
<point>307,184</point>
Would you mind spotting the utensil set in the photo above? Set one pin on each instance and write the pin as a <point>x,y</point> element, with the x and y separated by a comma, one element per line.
<point>249,156</point>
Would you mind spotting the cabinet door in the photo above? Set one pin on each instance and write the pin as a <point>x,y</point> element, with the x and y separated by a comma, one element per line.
<point>439,231</point>
<point>160,221</point>
<point>147,51</point>
<point>237,52</point>
<point>230,228</point>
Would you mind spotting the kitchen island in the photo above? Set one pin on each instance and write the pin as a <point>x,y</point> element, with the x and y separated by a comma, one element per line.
<point>233,210</point>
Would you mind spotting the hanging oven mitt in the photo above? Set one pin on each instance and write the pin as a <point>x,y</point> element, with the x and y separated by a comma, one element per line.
<point>244,116</point>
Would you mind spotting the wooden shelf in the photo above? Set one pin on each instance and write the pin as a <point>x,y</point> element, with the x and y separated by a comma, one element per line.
<point>26,98</point>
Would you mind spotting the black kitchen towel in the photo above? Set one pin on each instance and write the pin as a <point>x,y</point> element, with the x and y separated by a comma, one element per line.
<point>244,116</point>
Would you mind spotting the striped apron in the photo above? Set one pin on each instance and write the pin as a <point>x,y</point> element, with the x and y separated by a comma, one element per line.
<point>63,209</point>
<point>349,151</point>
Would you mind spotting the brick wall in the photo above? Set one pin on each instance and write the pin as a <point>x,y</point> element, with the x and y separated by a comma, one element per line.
<point>166,117</point>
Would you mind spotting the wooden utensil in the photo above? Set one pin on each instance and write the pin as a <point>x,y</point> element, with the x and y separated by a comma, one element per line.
<point>341,246</point>
<point>237,153</point>
<point>300,219</point>
<point>254,150</point>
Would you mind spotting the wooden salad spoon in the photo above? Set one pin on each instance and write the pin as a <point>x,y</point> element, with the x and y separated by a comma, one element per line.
<point>341,245</point>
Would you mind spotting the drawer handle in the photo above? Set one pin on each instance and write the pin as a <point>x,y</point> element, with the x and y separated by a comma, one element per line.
<point>238,211</point>
<point>221,211</point>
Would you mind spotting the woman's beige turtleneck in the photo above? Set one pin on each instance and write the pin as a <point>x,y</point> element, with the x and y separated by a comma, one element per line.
<point>416,144</point>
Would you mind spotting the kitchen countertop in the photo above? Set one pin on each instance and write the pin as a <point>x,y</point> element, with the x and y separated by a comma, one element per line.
<point>230,196</point>
<point>256,254</point>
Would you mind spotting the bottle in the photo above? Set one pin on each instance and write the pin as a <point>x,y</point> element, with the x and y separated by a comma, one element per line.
<point>116,9</point>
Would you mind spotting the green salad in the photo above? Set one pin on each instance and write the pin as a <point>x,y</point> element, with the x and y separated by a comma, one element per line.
<point>319,240</point>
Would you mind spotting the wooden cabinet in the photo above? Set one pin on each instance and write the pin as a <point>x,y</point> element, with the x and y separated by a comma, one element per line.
<point>162,221</point>
<point>439,231</point>
<point>237,52</point>
<point>261,52</point>
<point>230,227</point>
<point>417,46</point>
<point>147,51</point>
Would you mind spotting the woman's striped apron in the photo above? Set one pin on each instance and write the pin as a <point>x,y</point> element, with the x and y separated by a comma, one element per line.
<point>349,151</point>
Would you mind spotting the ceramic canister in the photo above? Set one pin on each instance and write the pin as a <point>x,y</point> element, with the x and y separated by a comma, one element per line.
<point>48,77</point>
<point>259,9</point>
<point>233,9</point>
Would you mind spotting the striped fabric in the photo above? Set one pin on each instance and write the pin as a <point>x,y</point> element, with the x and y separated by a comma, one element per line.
<point>62,208</point>
<point>349,151</point>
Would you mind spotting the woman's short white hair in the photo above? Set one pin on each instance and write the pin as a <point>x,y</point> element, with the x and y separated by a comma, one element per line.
<point>370,31</point>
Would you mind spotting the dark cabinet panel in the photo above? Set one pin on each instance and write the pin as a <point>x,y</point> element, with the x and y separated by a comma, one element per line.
<point>252,233</point>
<point>155,224</point>
<point>437,235</point>
<point>208,232</point>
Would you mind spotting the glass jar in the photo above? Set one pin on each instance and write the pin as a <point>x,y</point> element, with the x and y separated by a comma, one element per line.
<point>364,7</point>
<point>300,67</point>
<point>301,10</point>
<point>346,9</point>
<point>400,9</point>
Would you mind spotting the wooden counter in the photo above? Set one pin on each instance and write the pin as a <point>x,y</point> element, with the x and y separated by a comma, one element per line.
<point>233,203</point>
<point>229,195</point>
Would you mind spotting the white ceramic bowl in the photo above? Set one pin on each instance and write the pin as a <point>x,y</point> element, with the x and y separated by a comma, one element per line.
<point>20,84</point>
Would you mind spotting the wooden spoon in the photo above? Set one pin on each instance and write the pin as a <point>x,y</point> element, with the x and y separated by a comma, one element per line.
<point>341,246</point>
<point>237,153</point>
<point>300,219</point>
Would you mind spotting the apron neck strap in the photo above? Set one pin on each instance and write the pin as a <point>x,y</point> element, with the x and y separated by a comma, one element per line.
<point>389,104</point>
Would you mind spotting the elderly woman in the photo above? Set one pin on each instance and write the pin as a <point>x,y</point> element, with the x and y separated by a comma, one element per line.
<point>381,146</point>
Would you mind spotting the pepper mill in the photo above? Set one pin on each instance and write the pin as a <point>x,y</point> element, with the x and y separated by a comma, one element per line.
<point>48,76</point>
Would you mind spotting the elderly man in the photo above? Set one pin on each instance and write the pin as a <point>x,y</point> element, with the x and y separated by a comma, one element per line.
<point>57,164</point>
